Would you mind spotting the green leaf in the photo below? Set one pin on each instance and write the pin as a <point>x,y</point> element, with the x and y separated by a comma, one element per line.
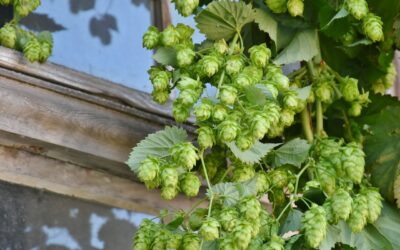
<point>388,224</point>
<point>157,144</point>
<point>254,154</point>
<point>294,152</point>
<point>303,47</point>
<point>258,94</point>
<point>295,242</point>
<point>341,14</point>
<point>266,23</point>
<point>173,225</point>
<point>364,41</point>
<point>210,245</point>
<point>368,239</point>
<point>303,93</point>
<point>382,147</point>
<point>165,56</point>
<point>223,19</point>
<point>292,222</point>
<point>232,192</point>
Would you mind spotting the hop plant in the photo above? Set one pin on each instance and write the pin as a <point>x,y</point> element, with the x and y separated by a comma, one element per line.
<point>234,64</point>
<point>259,125</point>
<point>184,154</point>
<point>185,32</point>
<point>324,91</point>
<point>287,117</point>
<point>169,36</point>
<point>245,141</point>
<point>279,178</point>
<point>349,89</point>
<point>32,50</point>
<point>24,7</point>
<point>160,97</point>
<point>219,113</point>
<point>228,130</point>
<point>250,208</point>
<point>228,218</point>
<point>210,229</point>
<point>228,94</point>
<point>396,190</point>
<point>151,39</point>
<point>314,225</point>
<point>242,234</point>
<point>243,173</point>
<point>260,55</point>
<point>180,112</point>
<point>295,7</point>
<point>353,162</point>
<point>262,182</point>
<point>8,36</point>
<point>277,6</point>
<point>149,169</point>
<point>357,8</point>
<point>197,218</point>
<point>160,80</point>
<point>291,100</point>
<point>169,177</point>
<point>206,137</point>
<point>46,45</point>
<point>174,241</point>
<point>184,56</point>
<point>374,200</point>
<point>209,65</point>
<point>203,111</point>
<point>341,202</point>
<point>359,213</point>
<point>186,7</point>
<point>144,235</point>
<point>221,47</point>
<point>327,176</point>
<point>276,76</point>
<point>190,184</point>
<point>190,241</point>
<point>372,27</point>
<point>275,243</point>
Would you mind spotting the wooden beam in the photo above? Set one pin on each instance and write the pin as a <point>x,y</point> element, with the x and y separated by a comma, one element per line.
<point>27,169</point>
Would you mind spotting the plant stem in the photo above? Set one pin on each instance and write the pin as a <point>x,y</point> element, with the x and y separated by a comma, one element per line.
<point>319,118</point>
<point>305,121</point>
<point>284,210</point>
<point>205,171</point>
<point>230,52</point>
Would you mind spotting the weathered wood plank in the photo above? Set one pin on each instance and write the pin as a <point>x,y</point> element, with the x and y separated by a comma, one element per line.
<point>23,168</point>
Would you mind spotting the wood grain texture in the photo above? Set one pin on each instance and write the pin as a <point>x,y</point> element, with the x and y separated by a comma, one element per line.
<point>23,168</point>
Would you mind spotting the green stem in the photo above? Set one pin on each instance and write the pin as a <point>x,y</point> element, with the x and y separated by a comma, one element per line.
<point>306,123</point>
<point>230,52</point>
<point>284,210</point>
<point>205,172</point>
<point>210,206</point>
<point>319,118</point>
<point>311,70</point>
<point>347,125</point>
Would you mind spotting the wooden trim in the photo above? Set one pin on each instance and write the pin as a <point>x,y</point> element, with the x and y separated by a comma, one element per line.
<point>27,169</point>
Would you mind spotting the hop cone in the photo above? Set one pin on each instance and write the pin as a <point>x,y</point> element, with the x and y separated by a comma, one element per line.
<point>243,173</point>
<point>8,36</point>
<point>324,91</point>
<point>260,55</point>
<point>263,182</point>
<point>256,244</point>
<point>242,234</point>
<point>250,208</point>
<point>221,47</point>
<point>184,154</point>
<point>170,36</point>
<point>349,89</point>
<point>295,7</point>
<point>188,83</point>
<point>209,65</point>
<point>151,38</point>
<point>180,111</point>
<point>160,239</point>
<point>186,7</point>
<point>259,124</point>
<point>6,2</point>
<point>357,8</point>
<point>326,176</point>
<point>161,96</point>
<point>287,117</point>
<point>228,94</point>
<point>279,178</point>
<point>314,225</point>
<point>149,168</point>
<point>144,235</point>
<point>275,75</point>
<point>174,242</point>
<point>396,190</point>
<point>275,243</point>
<point>372,27</point>
<point>228,130</point>
<point>269,226</point>
<point>169,192</point>
<point>341,202</point>
<point>160,80</point>
<point>196,219</point>
<point>244,80</point>
<point>205,137</point>
<point>290,100</point>
<point>353,162</point>
<point>219,113</point>
<point>190,242</point>
<point>277,6</point>
<point>330,216</point>
<point>169,177</point>
<point>234,64</point>
<point>244,141</point>
<point>32,50</point>
<point>190,184</point>
<point>228,218</point>
<point>359,213</point>
<point>374,199</point>
<point>185,56</point>
<point>185,32</point>
<point>227,243</point>
<point>210,229</point>
<point>24,7</point>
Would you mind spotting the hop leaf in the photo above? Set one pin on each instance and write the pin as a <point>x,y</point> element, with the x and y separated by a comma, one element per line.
<point>190,184</point>
<point>184,154</point>
<point>357,8</point>
<point>314,225</point>
<point>359,213</point>
<point>151,38</point>
<point>341,204</point>
<point>372,27</point>
<point>295,7</point>
<point>210,229</point>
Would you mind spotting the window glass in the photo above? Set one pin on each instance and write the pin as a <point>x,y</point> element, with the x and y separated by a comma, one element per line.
<point>99,37</point>
<point>32,219</point>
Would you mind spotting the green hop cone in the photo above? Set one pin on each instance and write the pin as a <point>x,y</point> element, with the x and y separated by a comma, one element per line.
<point>373,27</point>
<point>326,176</point>
<point>271,88</point>
<point>174,242</point>
<point>169,36</point>
<point>209,65</point>
<point>219,113</point>
<point>205,137</point>
<point>242,234</point>
<point>295,7</point>
<point>8,36</point>
<point>276,76</point>
<point>374,199</point>
<point>160,97</point>
<point>341,204</point>
<point>184,154</point>
<point>314,225</point>
<point>324,91</point>
<point>349,89</point>
<point>386,82</point>
<point>149,169</point>
<point>161,238</point>
<point>279,178</point>
<point>169,177</point>
<point>196,218</point>
<point>275,243</point>
<point>277,6</point>
<point>180,112</point>
<point>290,100</point>
<point>330,216</point>
<point>186,7</point>
<point>359,213</point>
<point>24,7</point>
<point>250,208</point>
<point>269,226</point>
<point>32,50</point>
<point>210,229</point>
<point>287,117</point>
<point>357,8</point>
<point>190,184</point>
<point>160,80</point>
<point>46,48</point>
<point>228,130</point>
<point>396,190</point>
<point>185,32</point>
<point>6,2</point>
<point>234,64</point>
<point>151,38</point>
<point>260,55</point>
<point>259,125</point>
<point>228,94</point>
<point>228,218</point>
<point>244,141</point>
<point>221,47</point>
<point>262,182</point>
<point>243,173</point>
<point>190,242</point>
<point>243,80</point>
<point>226,243</point>
<point>256,244</point>
<point>188,97</point>
<point>184,56</point>
<point>353,162</point>
<point>355,109</point>
<point>169,192</point>
<point>188,83</point>
<point>144,235</point>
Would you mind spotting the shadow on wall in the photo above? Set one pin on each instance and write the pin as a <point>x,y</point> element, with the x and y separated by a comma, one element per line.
<point>36,220</point>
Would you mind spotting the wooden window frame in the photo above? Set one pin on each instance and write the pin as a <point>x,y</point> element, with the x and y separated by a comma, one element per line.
<point>70,133</point>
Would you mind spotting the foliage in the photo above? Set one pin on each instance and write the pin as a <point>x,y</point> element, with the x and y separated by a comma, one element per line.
<point>36,47</point>
<point>327,181</point>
